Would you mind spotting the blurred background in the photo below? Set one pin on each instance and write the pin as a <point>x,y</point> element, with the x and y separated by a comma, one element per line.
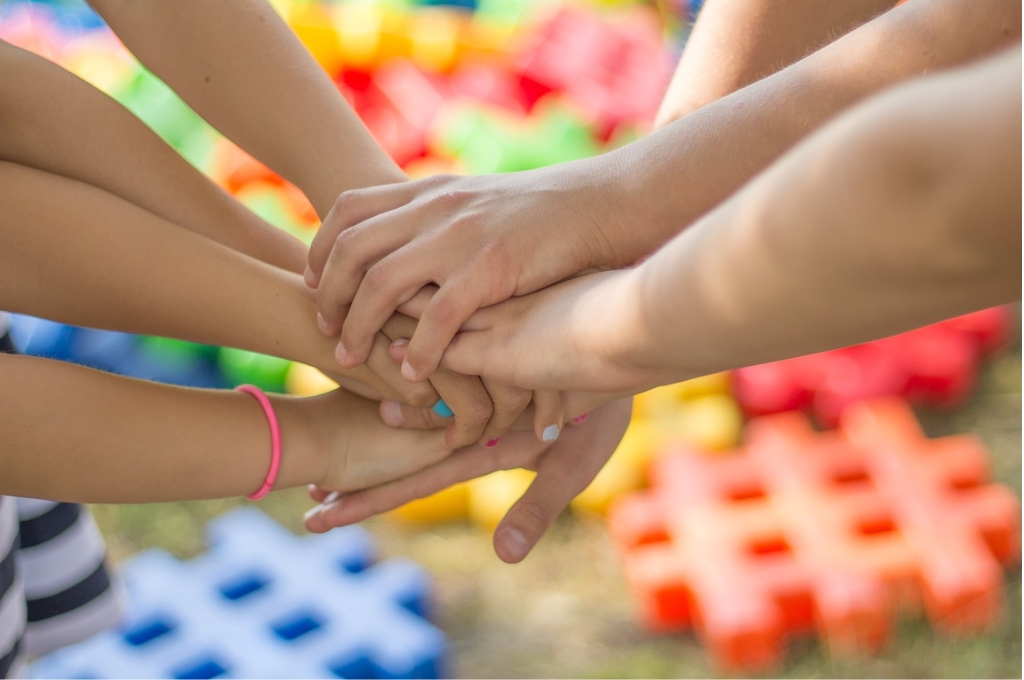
<point>480,86</point>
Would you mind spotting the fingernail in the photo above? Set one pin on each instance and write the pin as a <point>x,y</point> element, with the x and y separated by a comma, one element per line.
<point>313,512</point>
<point>442,409</point>
<point>408,372</point>
<point>321,323</point>
<point>494,442</point>
<point>581,419</point>
<point>550,433</point>
<point>309,277</point>
<point>391,412</point>
<point>340,353</point>
<point>515,543</point>
<point>400,342</point>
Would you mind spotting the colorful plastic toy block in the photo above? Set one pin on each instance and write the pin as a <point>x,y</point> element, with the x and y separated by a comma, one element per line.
<point>697,412</point>
<point>264,603</point>
<point>936,365</point>
<point>831,531</point>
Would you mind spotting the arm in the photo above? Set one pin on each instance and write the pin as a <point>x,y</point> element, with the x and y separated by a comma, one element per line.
<point>483,239</point>
<point>737,42</point>
<point>110,439</point>
<point>74,253</point>
<point>903,212</point>
<point>243,70</point>
<point>56,122</point>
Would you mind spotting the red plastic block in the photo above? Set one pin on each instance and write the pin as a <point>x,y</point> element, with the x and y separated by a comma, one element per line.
<point>614,69</point>
<point>935,365</point>
<point>834,532</point>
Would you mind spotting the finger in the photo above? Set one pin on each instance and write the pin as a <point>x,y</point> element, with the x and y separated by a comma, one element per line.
<point>509,402</point>
<point>355,255</point>
<point>460,466</point>
<point>351,208</point>
<point>381,364</point>
<point>414,306</point>
<point>318,494</point>
<point>442,318</point>
<point>547,414</point>
<point>468,401</point>
<point>397,414</point>
<point>470,353</point>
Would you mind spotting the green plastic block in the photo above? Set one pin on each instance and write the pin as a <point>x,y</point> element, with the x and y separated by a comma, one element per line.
<point>242,367</point>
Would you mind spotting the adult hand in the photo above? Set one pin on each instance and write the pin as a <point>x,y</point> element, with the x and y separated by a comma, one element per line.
<point>481,239</point>
<point>564,469</point>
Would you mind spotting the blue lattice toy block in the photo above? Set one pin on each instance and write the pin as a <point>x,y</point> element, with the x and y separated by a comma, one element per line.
<point>264,603</point>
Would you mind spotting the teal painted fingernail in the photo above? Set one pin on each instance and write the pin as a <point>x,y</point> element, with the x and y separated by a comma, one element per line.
<point>550,433</point>
<point>442,409</point>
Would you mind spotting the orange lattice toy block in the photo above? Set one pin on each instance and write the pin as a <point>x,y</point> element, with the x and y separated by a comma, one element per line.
<point>835,532</point>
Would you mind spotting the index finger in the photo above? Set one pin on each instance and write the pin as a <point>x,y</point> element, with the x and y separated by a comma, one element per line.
<point>349,209</point>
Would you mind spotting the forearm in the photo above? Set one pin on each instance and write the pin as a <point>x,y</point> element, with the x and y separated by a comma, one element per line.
<point>73,253</point>
<point>904,212</point>
<point>243,70</point>
<point>56,122</point>
<point>737,42</point>
<point>670,178</point>
<point>172,443</point>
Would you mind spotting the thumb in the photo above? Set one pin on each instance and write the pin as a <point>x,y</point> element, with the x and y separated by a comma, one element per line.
<point>397,414</point>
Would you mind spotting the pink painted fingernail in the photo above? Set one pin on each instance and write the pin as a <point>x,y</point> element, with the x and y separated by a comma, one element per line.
<point>580,419</point>
<point>341,353</point>
<point>494,442</point>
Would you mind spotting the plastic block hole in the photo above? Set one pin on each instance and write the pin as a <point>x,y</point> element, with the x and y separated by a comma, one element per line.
<point>203,668</point>
<point>850,477</point>
<point>359,666</point>
<point>774,545</point>
<point>355,564</point>
<point>146,631</point>
<point>746,493</point>
<point>964,483</point>
<point>878,526</point>
<point>296,625</point>
<point>243,586</point>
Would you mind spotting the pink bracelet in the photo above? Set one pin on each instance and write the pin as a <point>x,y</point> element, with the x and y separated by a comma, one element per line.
<point>275,441</point>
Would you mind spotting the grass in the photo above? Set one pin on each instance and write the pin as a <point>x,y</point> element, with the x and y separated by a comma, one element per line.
<point>565,612</point>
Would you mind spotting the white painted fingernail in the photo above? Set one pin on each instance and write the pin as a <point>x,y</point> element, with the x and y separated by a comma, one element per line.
<point>550,433</point>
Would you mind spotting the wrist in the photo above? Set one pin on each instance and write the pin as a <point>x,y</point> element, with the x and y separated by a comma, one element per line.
<point>304,457</point>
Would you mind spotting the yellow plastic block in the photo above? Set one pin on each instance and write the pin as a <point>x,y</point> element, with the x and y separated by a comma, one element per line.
<point>490,497</point>
<point>314,26</point>
<point>665,401</point>
<point>306,381</point>
<point>712,422</point>
<point>433,38</point>
<point>358,26</point>
<point>418,168</point>
<point>447,505</point>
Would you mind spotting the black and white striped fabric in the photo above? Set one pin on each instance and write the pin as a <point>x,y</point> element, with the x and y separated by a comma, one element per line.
<point>54,586</point>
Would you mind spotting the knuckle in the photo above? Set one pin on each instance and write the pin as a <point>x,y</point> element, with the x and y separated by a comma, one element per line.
<point>534,513</point>
<point>377,276</point>
<point>345,200</point>
<point>418,395</point>
<point>513,400</point>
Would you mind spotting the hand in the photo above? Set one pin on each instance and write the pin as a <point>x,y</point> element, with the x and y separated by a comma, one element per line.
<point>355,448</point>
<point>482,239</point>
<point>579,336</point>
<point>564,469</point>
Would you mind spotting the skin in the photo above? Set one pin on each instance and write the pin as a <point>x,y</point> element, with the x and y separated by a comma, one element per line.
<point>920,221</point>
<point>176,443</point>
<point>735,43</point>
<point>484,239</point>
<point>227,57</point>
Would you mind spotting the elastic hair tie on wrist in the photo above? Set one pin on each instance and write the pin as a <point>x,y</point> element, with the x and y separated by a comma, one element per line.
<point>275,441</point>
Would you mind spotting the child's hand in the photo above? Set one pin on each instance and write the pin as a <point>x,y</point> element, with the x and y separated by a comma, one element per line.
<point>482,239</point>
<point>564,469</point>
<point>573,336</point>
<point>357,449</point>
